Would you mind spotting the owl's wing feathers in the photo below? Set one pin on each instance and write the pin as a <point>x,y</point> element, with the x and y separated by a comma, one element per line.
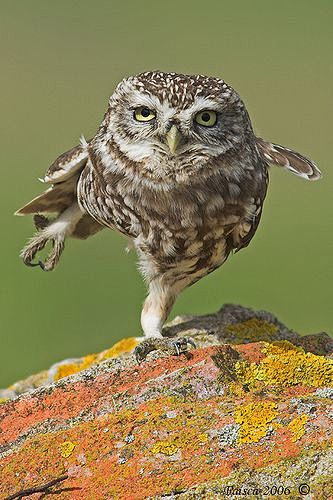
<point>289,159</point>
<point>243,233</point>
<point>282,157</point>
<point>67,164</point>
<point>63,174</point>
<point>54,200</point>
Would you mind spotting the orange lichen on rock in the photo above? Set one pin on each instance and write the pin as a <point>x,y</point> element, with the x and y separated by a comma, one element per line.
<point>185,426</point>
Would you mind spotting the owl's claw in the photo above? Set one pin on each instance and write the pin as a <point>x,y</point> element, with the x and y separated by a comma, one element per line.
<point>41,265</point>
<point>36,244</point>
<point>35,264</point>
<point>181,345</point>
<point>169,346</point>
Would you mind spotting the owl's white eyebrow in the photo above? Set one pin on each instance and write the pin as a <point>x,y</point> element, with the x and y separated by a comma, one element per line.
<point>140,99</point>
<point>203,103</point>
<point>152,102</point>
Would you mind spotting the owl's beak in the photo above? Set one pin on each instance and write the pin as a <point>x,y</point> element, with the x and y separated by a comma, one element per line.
<point>174,138</point>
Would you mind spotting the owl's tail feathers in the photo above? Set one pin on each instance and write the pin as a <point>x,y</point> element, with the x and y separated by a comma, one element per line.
<point>289,159</point>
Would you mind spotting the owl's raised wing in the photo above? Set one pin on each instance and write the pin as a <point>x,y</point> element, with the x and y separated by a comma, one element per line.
<point>63,175</point>
<point>289,159</point>
<point>61,200</point>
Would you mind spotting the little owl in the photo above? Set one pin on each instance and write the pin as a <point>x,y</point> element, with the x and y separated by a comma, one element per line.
<point>175,167</point>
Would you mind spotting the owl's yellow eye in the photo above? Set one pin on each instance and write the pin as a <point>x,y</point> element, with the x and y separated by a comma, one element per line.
<point>206,118</point>
<point>144,114</point>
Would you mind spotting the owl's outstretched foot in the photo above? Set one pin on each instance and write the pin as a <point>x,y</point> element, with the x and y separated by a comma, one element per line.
<point>36,244</point>
<point>171,347</point>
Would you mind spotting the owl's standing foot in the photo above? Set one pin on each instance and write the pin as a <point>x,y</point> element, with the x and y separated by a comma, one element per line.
<point>155,311</point>
<point>169,346</point>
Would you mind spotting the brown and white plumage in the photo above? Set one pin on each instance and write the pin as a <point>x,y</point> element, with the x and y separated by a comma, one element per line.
<point>175,166</point>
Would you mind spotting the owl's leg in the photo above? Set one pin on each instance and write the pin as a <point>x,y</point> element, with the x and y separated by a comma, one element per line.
<point>55,232</point>
<point>156,309</point>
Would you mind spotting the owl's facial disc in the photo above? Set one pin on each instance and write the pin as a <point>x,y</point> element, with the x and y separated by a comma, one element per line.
<point>173,128</point>
<point>184,122</point>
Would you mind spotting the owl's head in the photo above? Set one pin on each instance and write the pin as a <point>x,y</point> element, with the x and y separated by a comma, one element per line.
<point>174,123</point>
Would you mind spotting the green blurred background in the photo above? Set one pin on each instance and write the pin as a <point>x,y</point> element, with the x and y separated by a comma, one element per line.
<point>59,63</point>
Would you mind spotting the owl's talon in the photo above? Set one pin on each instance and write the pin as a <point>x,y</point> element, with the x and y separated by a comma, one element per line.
<point>138,355</point>
<point>169,346</point>
<point>41,265</point>
<point>31,264</point>
<point>36,264</point>
<point>181,345</point>
<point>192,343</point>
<point>37,243</point>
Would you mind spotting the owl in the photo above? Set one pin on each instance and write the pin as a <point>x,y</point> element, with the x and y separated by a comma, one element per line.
<point>176,168</point>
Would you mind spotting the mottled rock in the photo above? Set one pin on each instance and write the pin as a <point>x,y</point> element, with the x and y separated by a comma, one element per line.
<point>249,413</point>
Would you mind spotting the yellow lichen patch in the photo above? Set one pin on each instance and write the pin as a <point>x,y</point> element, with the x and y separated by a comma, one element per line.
<point>286,365</point>
<point>279,346</point>
<point>124,345</point>
<point>254,419</point>
<point>253,329</point>
<point>203,438</point>
<point>66,369</point>
<point>248,373</point>
<point>3,400</point>
<point>236,389</point>
<point>166,447</point>
<point>67,448</point>
<point>296,427</point>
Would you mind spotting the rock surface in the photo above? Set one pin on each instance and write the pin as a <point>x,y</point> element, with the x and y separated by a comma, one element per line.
<point>248,413</point>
